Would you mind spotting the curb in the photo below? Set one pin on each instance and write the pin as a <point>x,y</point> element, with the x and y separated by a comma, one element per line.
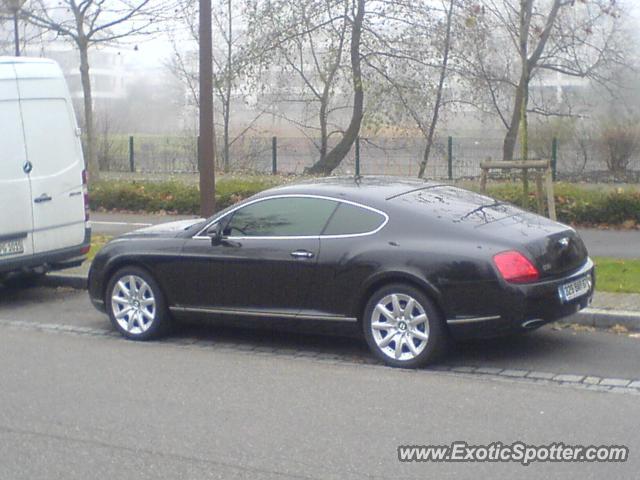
<point>591,317</point>
<point>604,318</point>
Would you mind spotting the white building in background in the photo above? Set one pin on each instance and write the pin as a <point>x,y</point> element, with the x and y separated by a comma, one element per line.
<point>109,70</point>
<point>558,87</point>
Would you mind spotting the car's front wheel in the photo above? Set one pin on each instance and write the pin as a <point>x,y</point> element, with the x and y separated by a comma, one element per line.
<point>135,304</point>
<point>403,327</point>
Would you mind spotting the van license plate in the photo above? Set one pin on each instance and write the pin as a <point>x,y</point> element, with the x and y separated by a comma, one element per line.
<point>11,247</point>
<point>575,289</point>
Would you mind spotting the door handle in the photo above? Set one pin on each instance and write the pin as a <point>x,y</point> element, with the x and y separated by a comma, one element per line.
<point>43,198</point>
<point>27,167</point>
<point>301,254</point>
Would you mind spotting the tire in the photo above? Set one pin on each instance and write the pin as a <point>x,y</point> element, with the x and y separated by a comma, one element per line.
<point>146,314</point>
<point>392,345</point>
<point>25,280</point>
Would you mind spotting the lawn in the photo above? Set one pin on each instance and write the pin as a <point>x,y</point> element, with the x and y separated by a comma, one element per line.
<point>617,275</point>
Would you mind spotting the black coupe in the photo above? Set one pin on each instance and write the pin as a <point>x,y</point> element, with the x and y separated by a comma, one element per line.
<point>411,261</point>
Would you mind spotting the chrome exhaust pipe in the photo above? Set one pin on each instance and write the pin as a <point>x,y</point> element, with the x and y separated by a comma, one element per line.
<point>530,324</point>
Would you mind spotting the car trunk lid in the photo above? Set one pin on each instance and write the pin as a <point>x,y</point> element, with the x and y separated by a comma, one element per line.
<point>554,248</point>
<point>558,253</point>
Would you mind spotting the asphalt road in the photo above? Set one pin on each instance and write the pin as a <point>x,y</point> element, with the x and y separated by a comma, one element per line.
<point>77,401</point>
<point>602,243</point>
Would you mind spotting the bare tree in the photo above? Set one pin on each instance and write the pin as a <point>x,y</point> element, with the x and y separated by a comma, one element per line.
<point>230,62</point>
<point>413,59</point>
<point>317,45</point>
<point>336,155</point>
<point>88,23</point>
<point>577,39</point>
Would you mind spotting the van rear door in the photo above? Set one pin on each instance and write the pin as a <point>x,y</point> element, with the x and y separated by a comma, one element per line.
<point>53,148</point>
<point>16,220</point>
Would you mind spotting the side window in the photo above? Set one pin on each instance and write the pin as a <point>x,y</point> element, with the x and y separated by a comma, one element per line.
<point>276,217</point>
<point>351,220</point>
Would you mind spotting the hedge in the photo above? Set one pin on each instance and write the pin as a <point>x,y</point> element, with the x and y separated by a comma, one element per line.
<point>170,196</point>
<point>577,205</point>
<point>582,205</point>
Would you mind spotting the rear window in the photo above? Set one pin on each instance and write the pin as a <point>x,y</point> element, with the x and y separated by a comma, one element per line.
<point>352,220</point>
<point>458,205</point>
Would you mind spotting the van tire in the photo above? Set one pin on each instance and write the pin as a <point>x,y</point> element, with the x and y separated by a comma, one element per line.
<point>26,280</point>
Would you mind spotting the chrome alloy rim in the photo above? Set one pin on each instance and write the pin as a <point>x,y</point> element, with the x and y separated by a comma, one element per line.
<point>400,327</point>
<point>133,304</point>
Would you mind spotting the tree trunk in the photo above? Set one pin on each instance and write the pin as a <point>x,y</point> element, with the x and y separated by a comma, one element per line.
<point>436,108</point>
<point>329,163</point>
<point>226,133</point>
<point>521,103</point>
<point>227,112</point>
<point>207,156</point>
<point>90,156</point>
<point>511,137</point>
<point>324,141</point>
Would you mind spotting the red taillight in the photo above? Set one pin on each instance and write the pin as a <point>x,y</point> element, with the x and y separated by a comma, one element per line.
<point>85,193</point>
<point>515,267</point>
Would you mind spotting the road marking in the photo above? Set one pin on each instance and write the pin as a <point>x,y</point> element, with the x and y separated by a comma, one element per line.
<point>94,222</point>
<point>581,381</point>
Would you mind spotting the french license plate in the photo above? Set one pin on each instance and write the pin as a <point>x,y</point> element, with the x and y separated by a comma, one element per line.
<point>575,289</point>
<point>11,247</point>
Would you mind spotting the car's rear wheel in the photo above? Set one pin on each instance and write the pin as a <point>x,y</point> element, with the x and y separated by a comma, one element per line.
<point>403,327</point>
<point>136,305</point>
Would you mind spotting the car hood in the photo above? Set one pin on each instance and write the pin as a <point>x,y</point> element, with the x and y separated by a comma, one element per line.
<point>169,229</point>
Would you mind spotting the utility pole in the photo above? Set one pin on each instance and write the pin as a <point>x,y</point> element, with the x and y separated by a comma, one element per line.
<point>16,33</point>
<point>206,152</point>
<point>14,6</point>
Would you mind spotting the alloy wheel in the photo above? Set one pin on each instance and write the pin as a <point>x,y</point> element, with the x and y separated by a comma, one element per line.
<point>133,304</point>
<point>400,327</point>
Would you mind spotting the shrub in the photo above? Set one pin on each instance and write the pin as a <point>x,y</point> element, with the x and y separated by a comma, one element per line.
<point>574,204</point>
<point>172,196</point>
<point>619,143</point>
<point>581,205</point>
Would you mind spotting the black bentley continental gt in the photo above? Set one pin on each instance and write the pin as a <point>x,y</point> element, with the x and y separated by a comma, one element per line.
<point>411,261</point>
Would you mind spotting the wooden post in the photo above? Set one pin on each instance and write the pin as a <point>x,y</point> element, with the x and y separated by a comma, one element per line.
<point>483,180</point>
<point>540,193</point>
<point>132,162</point>
<point>274,155</point>
<point>525,188</point>
<point>554,158</point>
<point>551,202</point>
<point>357,156</point>
<point>450,157</point>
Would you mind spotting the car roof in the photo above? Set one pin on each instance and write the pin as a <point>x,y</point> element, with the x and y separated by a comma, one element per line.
<point>22,60</point>
<point>369,190</point>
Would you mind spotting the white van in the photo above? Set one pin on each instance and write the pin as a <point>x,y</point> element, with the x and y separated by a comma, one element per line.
<point>44,211</point>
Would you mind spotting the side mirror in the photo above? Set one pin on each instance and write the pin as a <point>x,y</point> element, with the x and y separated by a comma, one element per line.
<point>215,233</point>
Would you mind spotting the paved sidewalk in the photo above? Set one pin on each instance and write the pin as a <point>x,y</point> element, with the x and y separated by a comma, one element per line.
<point>606,311</point>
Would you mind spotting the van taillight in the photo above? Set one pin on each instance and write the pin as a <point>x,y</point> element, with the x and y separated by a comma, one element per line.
<point>85,193</point>
<point>515,267</point>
